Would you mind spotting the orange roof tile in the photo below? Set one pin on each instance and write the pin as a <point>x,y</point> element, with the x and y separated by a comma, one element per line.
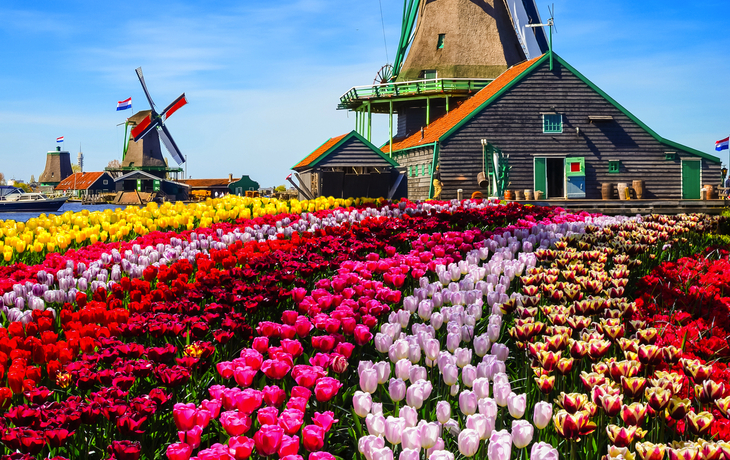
<point>441,126</point>
<point>323,148</point>
<point>79,181</point>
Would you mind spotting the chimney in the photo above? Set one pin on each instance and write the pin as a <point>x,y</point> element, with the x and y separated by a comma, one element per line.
<point>230,177</point>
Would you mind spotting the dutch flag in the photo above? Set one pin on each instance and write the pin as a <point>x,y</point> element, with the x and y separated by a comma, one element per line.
<point>722,144</point>
<point>59,139</point>
<point>125,104</point>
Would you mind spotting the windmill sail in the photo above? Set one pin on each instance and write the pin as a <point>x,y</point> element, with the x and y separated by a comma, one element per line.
<point>527,36</point>
<point>170,145</point>
<point>144,87</point>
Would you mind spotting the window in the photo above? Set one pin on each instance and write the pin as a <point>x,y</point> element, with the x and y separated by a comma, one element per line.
<point>614,166</point>
<point>428,74</point>
<point>552,123</point>
<point>410,171</point>
<point>440,43</point>
<point>670,156</point>
<point>428,169</point>
<point>106,182</point>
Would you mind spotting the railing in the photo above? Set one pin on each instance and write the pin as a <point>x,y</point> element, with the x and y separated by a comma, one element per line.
<point>411,88</point>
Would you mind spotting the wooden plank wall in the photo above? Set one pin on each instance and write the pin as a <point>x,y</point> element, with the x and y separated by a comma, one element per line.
<point>353,153</point>
<point>418,185</point>
<point>514,124</point>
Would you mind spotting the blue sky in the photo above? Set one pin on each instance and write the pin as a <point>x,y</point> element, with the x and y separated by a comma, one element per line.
<point>263,78</point>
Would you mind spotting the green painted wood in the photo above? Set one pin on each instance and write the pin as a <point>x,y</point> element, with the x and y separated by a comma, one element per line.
<point>691,179</point>
<point>541,175</point>
<point>575,167</point>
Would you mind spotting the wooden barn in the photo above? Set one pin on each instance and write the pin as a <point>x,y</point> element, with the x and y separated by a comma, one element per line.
<point>349,166</point>
<point>560,134</point>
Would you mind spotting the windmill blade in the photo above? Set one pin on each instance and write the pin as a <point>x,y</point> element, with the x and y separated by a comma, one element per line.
<point>144,127</point>
<point>144,87</point>
<point>552,17</point>
<point>174,106</point>
<point>170,145</point>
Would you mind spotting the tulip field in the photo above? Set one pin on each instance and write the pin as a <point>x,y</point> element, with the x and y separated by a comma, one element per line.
<point>364,329</point>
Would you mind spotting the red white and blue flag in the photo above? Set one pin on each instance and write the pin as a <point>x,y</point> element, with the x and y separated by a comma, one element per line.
<point>59,139</point>
<point>722,144</point>
<point>125,104</point>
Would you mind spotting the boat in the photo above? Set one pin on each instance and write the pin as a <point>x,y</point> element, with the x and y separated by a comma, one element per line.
<point>14,199</point>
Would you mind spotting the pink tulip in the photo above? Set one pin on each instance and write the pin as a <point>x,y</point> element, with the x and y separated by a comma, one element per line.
<point>417,373</point>
<point>479,423</point>
<point>418,392</point>
<point>443,411</point>
<point>375,424</point>
<point>431,349</point>
<point>273,396</point>
<point>191,437</point>
<point>369,380</point>
<point>367,443</point>
<point>289,446</point>
<point>291,420</point>
<point>452,341</point>
<point>543,451</point>
<point>450,374</point>
<point>326,388</point>
<point>481,387</point>
<point>409,414</point>
<point>517,404</point>
<point>179,451</point>
<point>399,350</point>
<point>411,438</point>
<point>501,351</point>
<point>402,369</point>
<point>414,353</point>
<point>501,393</point>
<point>235,423</point>
<point>362,403</point>
<point>440,445</point>
<point>468,442</point>
<point>184,416</point>
<point>429,434</point>
<point>394,427</point>
<point>409,454</point>
<point>397,389</point>
<point>383,370</point>
<point>382,454</point>
<point>325,420</point>
<point>522,432</point>
<point>383,342</point>
<point>437,320</point>
<point>481,345</point>
<point>493,332</point>
<point>488,407</point>
<point>543,414</point>
<point>441,455</point>
<point>468,375</point>
<point>468,402</point>
<point>312,437</point>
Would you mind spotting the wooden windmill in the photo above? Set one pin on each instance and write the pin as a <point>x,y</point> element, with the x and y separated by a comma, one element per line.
<point>448,50</point>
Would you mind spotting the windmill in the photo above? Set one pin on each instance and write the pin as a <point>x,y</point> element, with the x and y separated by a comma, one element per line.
<point>148,129</point>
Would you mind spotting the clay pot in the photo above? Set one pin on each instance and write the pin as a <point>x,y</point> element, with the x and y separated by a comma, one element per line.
<point>639,189</point>
<point>508,195</point>
<point>529,195</point>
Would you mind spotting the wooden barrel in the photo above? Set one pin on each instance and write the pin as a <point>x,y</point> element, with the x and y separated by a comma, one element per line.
<point>606,190</point>
<point>639,189</point>
<point>710,191</point>
<point>621,187</point>
<point>508,195</point>
<point>482,180</point>
<point>519,195</point>
<point>529,195</point>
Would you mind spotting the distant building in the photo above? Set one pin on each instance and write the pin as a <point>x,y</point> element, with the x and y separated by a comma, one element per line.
<point>58,167</point>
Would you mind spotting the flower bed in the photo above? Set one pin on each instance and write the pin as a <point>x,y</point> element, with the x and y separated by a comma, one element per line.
<point>372,331</point>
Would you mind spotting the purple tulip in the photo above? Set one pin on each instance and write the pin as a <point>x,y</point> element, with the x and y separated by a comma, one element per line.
<point>452,341</point>
<point>522,432</point>
<point>468,375</point>
<point>481,387</point>
<point>441,455</point>
<point>468,402</point>
<point>383,370</point>
<point>479,423</point>
<point>482,345</point>
<point>414,353</point>
<point>417,393</point>
<point>402,369</point>
<point>397,389</point>
<point>493,332</point>
<point>404,317</point>
<point>417,373</point>
<point>437,320</point>
<point>501,351</point>
<point>488,407</point>
<point>399,350</point>
<point>431,349</point>
<point>382,454</point>
<point>463,356</point>
<point>501,393</point>
<point>366,444</point>
<point>411,438</point>
<point>383,342</point>
<point>409,454</point>
<point>443,411</point>
<point>468,442</point>
<point>450,374</point>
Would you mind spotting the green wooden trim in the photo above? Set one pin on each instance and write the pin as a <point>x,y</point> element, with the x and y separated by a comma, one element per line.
<point>435,163</point>
<point>614,166</point>
<point>540,175</point>
<point>352,134</point>
<point>581,77</point>
<point>575,160</point>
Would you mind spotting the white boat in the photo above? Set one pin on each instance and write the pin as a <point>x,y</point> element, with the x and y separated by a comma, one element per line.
<point>14,199</point>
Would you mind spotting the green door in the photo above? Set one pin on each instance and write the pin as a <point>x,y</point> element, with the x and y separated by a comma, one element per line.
<point>691,179</point>
<point>541,175</point>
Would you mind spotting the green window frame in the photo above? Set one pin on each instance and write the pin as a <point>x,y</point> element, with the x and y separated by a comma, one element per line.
<point>430,74</point>
<point>428,169</point>
<point>440,43</point>
<point>614,166</point>
<point>552,123</point>
<point>410,171</point>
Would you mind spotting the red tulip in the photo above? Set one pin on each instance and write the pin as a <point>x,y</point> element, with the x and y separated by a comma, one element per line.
<point>274,396</point>
<point>325,420</point>
<point>291,420</point>
<point>240,447</point>
<point>125,450</point>
<point>326,388</point>
<point>268,439</point>
<point>179,451</point>
<point>289,446</point>
<point>313,437</point>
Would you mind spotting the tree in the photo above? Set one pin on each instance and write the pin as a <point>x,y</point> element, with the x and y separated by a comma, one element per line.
<point>2,179</point>
<point>114,164</point>
<point>75,168</point>
<point>281,188</point>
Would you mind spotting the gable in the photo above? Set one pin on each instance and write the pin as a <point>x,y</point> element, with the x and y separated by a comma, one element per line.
<point>344,151</point>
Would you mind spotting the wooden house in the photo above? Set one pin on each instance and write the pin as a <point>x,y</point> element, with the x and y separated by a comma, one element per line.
<point>562,134</point>
<point>87,184</point>
<point>350,166</point>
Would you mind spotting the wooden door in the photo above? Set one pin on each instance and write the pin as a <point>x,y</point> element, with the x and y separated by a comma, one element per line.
<point>691,178</point>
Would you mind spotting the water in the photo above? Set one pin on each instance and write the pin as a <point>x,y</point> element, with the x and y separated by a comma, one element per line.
<point>74,206</point>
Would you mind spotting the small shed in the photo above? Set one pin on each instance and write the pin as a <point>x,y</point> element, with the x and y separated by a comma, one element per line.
<point>243,185</point>
<point>87,184</point>
<point>349,166</point>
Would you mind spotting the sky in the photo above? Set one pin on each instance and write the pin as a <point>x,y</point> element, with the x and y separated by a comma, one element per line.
<point>263,77</point>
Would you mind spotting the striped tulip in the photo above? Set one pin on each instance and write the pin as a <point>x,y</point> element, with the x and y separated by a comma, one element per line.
<point>591,379</point>
<point>612,404</point>
<point>625,368</point>
<point>650,355</point>
<point>548,360</point>
<point>572,402</point>
<point>723,404</point>
<point>633,414</point>
<point>671,354</point>
<point>545,383</point>
<point>618,453</point>
<point>683,453</point>
<point>573,426</point>
<point>565,365</point>
<point>658,398</point>
<point>649,451</point>
<point>708,450</point>
<point>700,423</point>
<point>633,386</point>
<point>648,335</point>
<point>597,348</point>
<point>678,408</point>
<point>709,391</point>
<point>578,348</point>
<point>623,436</point>
<point>628,344</point>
